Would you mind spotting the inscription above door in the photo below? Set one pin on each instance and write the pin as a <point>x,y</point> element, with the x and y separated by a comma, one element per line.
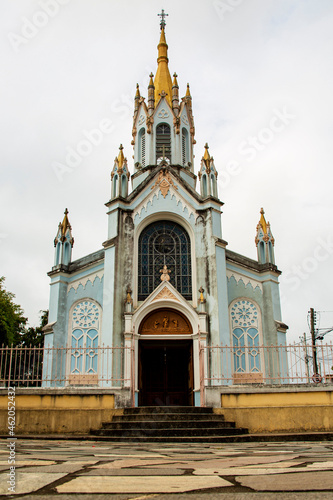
<point>165,321</point>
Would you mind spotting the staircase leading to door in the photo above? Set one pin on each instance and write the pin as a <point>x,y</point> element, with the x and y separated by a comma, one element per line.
<point>169,424</point>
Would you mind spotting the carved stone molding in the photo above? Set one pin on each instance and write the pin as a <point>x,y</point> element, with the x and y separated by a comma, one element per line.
<point>164,181</point>
<point>165,294</point>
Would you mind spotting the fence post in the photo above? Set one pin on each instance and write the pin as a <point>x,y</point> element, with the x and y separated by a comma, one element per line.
<point>10,364</point>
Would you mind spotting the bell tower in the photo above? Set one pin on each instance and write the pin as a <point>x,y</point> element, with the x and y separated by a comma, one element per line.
<point>163,128</point>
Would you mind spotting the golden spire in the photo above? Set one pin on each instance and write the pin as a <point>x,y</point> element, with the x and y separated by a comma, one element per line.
<point>262,221</point>
<point>65,223</point>
<point>162,80</point>
<point>206,156</point>
<point>121,157</point>
<point>188,93</point>
<point>175,83</point>
<point>137,91</point>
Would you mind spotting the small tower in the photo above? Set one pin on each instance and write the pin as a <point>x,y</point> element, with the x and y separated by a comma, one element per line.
<point>264,241</point>
<point>63,242</point>
<point>175,95</point>
<point>164,126</point>
<point>120,176</point>
<point>208,175</point>
<point>151,95</point>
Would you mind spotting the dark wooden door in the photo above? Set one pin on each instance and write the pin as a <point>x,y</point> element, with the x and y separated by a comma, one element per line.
<point>164,373</point>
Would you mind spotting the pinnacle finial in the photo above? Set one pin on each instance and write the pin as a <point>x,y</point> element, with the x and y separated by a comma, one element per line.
<point>121,157</point>
<point>262,221</point>
<point>65,223</point>
<point>163,15</point>
<point>206,155</point>
<point>188,93</point>
<point>137,91</point>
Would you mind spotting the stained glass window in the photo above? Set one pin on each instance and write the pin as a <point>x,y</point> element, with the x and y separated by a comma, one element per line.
<point>164,243</point>
<point>245,322</point>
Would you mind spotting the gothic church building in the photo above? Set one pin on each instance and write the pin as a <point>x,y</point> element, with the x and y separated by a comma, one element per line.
<point>142,315</point>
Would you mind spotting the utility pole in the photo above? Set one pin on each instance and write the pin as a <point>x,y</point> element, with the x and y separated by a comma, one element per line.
<point>313,336</point>
<point>306,358</point>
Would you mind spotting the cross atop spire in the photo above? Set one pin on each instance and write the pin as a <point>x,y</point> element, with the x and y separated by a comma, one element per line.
<point>162,16</point>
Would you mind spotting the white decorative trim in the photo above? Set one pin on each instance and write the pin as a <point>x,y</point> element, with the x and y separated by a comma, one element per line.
<point>83,281</point>
<point>245,279</point>
<point>156,192</point>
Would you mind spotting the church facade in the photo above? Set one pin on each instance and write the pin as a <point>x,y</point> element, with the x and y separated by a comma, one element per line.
<point>164,289</point>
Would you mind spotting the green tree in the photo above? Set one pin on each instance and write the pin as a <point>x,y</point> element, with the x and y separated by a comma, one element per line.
<point>12,321</point>
<point>34,336</point>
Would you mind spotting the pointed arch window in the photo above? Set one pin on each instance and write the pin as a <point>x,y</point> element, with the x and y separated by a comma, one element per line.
<point>142,146</point>
<point>115,186</point>
<point>164,243</point>
<point>184,147</point>
<point>85,327</point>
<point>204,186</point>
<point>163,142</point>
<point>124,186</point>
<point>245,323</point>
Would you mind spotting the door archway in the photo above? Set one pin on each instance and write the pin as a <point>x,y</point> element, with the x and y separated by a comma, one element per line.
<point>165,360</point>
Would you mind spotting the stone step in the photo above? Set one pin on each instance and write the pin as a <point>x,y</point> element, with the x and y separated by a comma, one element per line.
<point>168,417</point>
<point>167,432</point>
<point>169,424</point>
<point>167,409</point>
<point>233,438</point>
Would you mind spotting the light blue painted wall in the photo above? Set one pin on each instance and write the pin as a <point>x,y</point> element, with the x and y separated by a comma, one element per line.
<point>217,227</point>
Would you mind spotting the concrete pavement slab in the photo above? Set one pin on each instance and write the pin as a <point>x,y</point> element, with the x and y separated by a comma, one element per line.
<point>157,484</point>
<point>133,472</point>
<point>290,482</point>
<point>27,482</point>
<point>20,463</point>
<point>66,467</point>
<point>118,464</point>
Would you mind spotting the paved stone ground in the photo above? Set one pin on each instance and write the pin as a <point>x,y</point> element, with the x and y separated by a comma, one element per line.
<point>92,469</point>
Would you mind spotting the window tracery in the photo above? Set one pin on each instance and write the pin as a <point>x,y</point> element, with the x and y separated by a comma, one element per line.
<point>164,243</point>
<point>245,327</point>
<point>84,338</point>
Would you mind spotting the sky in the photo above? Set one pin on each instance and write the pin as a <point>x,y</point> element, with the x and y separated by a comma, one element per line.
<point>260,73</point>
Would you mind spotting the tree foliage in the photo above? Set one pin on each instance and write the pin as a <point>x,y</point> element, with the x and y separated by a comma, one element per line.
<point>12,320</point>
<point>34,335</point>
<point>13,323</point>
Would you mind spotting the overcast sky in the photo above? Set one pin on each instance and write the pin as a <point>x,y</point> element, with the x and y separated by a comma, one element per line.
<point>261,77</point>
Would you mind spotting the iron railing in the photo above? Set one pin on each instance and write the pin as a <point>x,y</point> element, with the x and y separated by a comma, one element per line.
<point>274,364</point>
<point>114,367</point>
<point>63,366</point>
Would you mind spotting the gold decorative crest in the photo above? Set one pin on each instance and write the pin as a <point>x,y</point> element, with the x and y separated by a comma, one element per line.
<point>164,181</point>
